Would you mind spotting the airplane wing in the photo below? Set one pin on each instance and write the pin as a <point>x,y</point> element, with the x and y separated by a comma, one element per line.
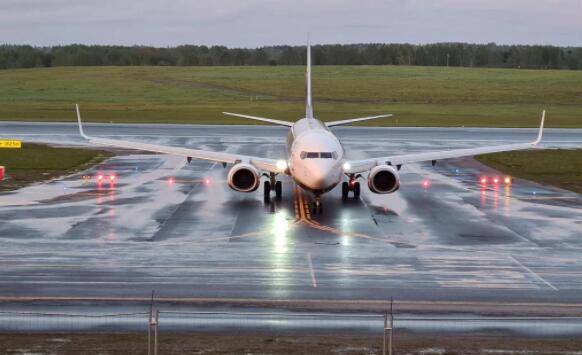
<point>359,166</point>
<point>269,165</point>
<point>352,120</point>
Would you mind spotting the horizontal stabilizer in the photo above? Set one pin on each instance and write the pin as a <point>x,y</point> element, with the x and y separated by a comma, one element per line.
<point>352,120</point>
<point>262,119</point>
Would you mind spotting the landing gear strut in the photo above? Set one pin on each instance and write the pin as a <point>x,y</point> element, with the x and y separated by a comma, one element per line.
<point>317,207</point>
<point>272,183</point>
<point>352,185</point>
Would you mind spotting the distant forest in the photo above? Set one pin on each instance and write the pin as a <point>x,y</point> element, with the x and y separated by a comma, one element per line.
<point>439,54</point>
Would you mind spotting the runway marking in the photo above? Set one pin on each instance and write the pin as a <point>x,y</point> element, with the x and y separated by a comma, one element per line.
<point>304,217</point>
<point>195,187</point>
<point>531,272</point>
<point>546,198</point>
<point>313,280</point>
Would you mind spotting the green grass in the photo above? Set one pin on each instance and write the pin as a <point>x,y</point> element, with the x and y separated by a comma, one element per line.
<point>38,162</point>
<point>418,96</point>
<point>561,168</point>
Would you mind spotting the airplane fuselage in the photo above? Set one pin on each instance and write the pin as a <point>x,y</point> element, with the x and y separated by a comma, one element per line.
<point>315,156</point>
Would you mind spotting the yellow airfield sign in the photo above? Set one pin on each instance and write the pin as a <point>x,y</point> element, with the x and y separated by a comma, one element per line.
<point>10,144</point>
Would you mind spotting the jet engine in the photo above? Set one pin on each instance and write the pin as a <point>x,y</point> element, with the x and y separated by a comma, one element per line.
<point>383,179</point>
<point>243,178</point>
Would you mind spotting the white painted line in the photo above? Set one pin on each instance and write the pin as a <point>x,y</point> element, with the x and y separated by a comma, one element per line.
<point>313,280</point>
<point>533,273</point>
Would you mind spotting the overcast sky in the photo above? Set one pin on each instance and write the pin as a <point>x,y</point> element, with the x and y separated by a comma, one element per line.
<point>252,23</point>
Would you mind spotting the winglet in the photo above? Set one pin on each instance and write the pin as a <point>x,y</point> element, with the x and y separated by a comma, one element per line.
<point>80,123</point>
<point>541,132</point>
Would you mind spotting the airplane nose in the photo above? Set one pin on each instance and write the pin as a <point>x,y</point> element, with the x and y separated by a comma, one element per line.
<point>322,178</point>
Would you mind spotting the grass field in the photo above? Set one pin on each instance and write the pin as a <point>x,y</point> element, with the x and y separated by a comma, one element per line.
<point>129,344</point>
<point>561,168</point>
<point>38,162</point>
<point>418,96</point>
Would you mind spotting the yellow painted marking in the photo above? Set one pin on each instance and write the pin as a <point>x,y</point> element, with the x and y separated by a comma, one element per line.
<point>304,217</point>
<point>10,144</point>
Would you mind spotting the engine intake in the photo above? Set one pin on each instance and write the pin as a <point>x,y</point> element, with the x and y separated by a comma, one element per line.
<point>383,179</point>
<point>243,178</point>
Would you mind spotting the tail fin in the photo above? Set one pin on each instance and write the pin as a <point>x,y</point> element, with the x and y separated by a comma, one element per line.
<point>308,104</point>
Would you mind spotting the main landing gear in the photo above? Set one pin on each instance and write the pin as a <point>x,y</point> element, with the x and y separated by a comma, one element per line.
<point>351,185</point>
<point>271,184</point>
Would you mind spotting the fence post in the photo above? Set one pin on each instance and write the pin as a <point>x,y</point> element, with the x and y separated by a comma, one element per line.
<point>384,333</point>
<point>156,332</point>
<point>150,334</point>
<point>151,323</point>
<point>391,323</point>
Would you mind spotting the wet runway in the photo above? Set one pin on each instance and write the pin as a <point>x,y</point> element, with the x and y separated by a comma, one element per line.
<point>454,240</point>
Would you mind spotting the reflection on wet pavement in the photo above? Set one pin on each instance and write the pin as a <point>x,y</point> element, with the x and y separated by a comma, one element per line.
<point>163,224</point>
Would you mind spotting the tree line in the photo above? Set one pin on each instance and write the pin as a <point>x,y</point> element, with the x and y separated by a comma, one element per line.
<point>438,54</point>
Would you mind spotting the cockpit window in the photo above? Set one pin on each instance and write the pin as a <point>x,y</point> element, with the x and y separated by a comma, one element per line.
<point>321,155</point>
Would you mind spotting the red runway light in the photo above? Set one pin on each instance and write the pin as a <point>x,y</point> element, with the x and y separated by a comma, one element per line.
<point>99,177</point>
<point>426,183</point>
<point>206,181</point>
<point>171,181</point>
<point>496,180</point>
<point>484,180</point>
<point>112,177</point>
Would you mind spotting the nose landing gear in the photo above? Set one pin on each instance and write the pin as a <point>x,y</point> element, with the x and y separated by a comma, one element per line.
<point>353,186</point>
<point>271,184</point>
<point>317,207</point>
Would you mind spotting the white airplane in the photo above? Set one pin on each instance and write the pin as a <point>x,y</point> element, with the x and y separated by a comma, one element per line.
<point>316,159</point>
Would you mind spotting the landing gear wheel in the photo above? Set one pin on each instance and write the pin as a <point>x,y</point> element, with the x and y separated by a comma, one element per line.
<point>267,189</point>
<point>278,189</point>
<point>357,190</point>
<point>345,190</point>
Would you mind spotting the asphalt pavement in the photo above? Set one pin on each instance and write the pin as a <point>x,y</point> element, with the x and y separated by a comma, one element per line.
<point>177,228</point>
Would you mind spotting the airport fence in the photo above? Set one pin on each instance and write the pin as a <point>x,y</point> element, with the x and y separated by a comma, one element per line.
<point>159,321</point>
<point>17,321</point>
